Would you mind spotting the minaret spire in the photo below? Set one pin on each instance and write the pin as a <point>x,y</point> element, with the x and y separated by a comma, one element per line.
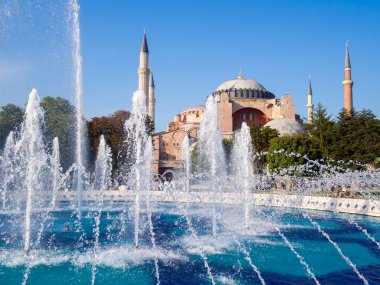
<point>348,62</point>
<point>347,83</point>
<point>151,99</point>
<point>310,103</point>
<point>144,44</point>
<point>144,70</point>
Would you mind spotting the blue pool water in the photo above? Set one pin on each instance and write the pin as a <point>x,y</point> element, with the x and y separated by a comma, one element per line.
<point>65,254</point>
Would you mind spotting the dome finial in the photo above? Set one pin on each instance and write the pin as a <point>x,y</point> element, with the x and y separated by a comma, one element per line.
<point>240,74</point>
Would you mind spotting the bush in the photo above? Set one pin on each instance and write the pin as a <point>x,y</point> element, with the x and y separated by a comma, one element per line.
<point>290,152</point>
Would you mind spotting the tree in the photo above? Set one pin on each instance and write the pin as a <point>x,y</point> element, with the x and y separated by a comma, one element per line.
<point>112,127</point>
<point>261,137</point>
<point>353,136</point>
<point>11,117</point>
<point>322,129</point>
<point>227,146</point>
<point>60,122</point>
<point>285,152</point>
<point>356,137</point>
<point>149,124</point>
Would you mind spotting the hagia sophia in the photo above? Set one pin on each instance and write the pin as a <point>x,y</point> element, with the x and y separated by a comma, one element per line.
<point>238,100</point>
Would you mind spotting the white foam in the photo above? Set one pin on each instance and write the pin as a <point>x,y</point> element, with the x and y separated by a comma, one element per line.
<point>117,257</point>
<point>122,257</point>
<point>207,244</point>
<point>226,280</point>
<point>13,258</point>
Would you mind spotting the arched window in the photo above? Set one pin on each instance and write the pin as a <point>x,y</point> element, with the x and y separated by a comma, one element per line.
<point>251,116</point>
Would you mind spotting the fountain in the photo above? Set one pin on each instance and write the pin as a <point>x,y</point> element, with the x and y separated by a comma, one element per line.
<point>103,166</point>
<point>80,128</point>
<point>212,153</point>
<point>102,177</point>
<point>139,153</point>
<point>7,168</point>
<point>242,165</point>
<point>206,225</point>
<point>56,171</point>
<point>162,225</point>
<point>186,155</point>
<point>31,158</point>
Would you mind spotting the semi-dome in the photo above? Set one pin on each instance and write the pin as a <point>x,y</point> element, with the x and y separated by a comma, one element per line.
<point>241,87</point>
<point>286,127</point>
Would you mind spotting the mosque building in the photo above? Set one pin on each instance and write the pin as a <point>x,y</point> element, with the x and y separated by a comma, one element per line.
<point>238,100</point>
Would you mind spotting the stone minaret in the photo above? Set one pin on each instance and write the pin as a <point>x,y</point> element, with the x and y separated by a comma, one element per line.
<point>151,99</point>
<point>347,83</point>
<point>143,70</point>
<point>310,104</point>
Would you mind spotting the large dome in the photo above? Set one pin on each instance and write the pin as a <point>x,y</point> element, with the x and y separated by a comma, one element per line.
<point>286,127</point>
<point>244,88</point>
<point>240,83</point>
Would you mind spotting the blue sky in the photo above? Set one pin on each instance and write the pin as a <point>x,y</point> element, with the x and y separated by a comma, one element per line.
<point>194,47</point>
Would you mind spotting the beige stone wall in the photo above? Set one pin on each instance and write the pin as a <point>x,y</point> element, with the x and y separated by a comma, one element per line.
<point>193,115</point>
<point>284,108</point>
<point>224,112</point>
<point>156,151</point>
<point>168,148</point>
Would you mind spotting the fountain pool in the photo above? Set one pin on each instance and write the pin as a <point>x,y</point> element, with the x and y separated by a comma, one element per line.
<point>66,254</point>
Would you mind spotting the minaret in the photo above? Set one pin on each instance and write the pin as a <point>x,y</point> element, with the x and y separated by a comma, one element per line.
<point>151,99</point>
<point>347,83</point>
<point>143,70</point>
<point>310,103</point>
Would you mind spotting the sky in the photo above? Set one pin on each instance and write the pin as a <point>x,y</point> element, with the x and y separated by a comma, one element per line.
<point>194,47</point>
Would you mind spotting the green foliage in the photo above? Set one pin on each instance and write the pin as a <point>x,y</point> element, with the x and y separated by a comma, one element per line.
<point>227,146</point>
<point>261,137</point>
<point>195,159</point>
<point>322,129</point>
<point>149,125</point>
<point>285,152</point>
<point>353,136</point>
<point>198,159</point>
<point>376,163</point>
<point>11,117</point>
<point>356,137</point>
<point>60,122</point>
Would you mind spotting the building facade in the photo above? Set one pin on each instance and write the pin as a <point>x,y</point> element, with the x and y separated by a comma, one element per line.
<point>238,100</point>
